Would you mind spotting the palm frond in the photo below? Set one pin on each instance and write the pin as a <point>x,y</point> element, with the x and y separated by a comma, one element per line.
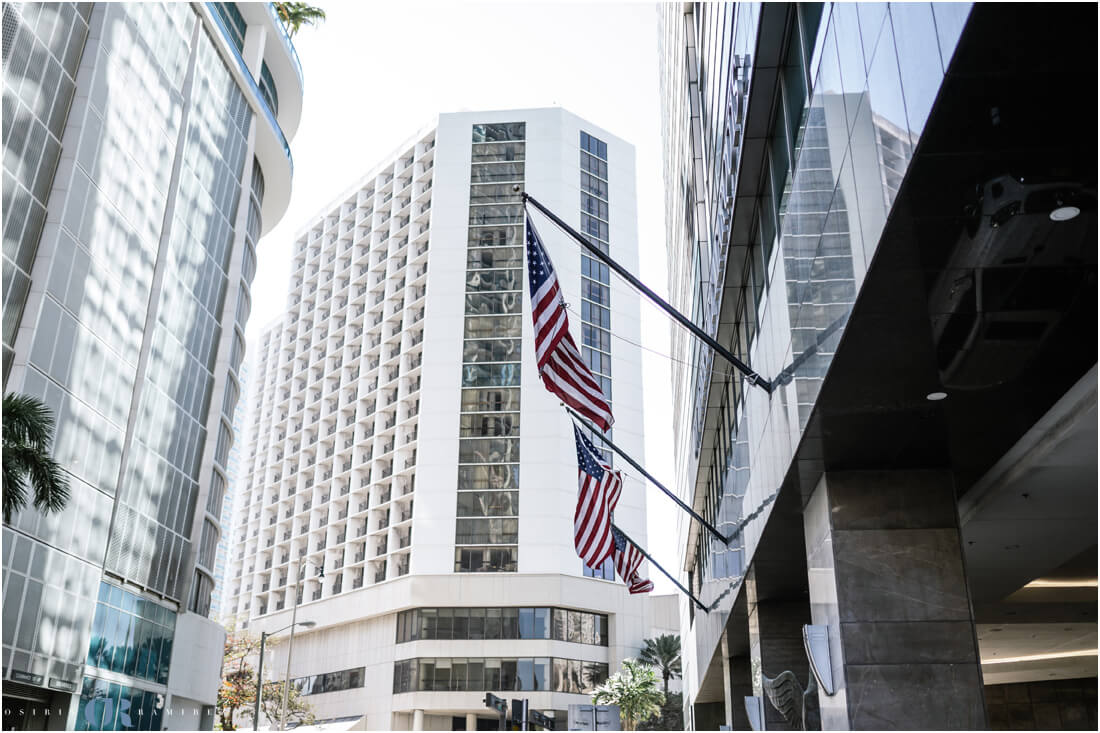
<point>26,420</point>
<point>27,435</point>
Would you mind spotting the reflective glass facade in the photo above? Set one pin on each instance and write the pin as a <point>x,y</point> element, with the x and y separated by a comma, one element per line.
<point>108,705</point>
<point>131,635</point>
<point>144,263</point>
<point>560,624</point>
<point>770,260</point>
<point>347,679</point>
<point>489,674</point>
<point>489,436</point>
<point>43,44</point>
<point>596,287</point>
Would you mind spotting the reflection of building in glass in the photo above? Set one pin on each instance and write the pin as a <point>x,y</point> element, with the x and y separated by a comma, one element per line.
<point>806,227</point>
<point>127,268</point>
<point>391,447</point>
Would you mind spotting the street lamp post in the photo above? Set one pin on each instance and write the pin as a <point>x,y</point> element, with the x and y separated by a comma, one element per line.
<point>290,645</point>
<point>260,667</point>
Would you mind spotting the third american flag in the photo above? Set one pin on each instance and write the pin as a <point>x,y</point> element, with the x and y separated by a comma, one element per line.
<point>627,560</point>
<point>561,367</point>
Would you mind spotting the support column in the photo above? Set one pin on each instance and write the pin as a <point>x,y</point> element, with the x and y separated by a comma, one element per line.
<point>885,563</point>
<point>727,687</point>
<point>471,721</point>
<point>740,687</point>
<point>775,633</point>
<point>418,720</point>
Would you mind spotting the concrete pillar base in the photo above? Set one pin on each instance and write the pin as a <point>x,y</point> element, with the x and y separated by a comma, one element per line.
<point>885,563</point>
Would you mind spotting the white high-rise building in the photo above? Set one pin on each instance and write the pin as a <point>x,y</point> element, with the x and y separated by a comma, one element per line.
<point>404,443</point>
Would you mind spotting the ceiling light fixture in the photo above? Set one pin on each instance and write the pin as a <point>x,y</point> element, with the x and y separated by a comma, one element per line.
<point>935,396</point>
<point>1057,583</point>
<point>1064,213</point>
<point>1041,657</point>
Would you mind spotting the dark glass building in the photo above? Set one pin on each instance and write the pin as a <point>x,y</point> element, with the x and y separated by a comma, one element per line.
<point>889,212</point>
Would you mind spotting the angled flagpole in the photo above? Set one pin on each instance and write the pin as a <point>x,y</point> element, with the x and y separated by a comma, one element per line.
<point>683,320</point>
<point>667,574</point>
<point>658,484</point>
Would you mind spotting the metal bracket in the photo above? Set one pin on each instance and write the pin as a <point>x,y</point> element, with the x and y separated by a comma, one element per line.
<point>816,640</point>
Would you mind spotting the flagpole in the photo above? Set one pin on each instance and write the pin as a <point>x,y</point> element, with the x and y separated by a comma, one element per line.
<point>684,321</point>
<point>658,566</point>
<point>658,484</point>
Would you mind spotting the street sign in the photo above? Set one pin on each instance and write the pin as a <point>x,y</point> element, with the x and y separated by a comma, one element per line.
<point>540,719</point>
<point>500,705</point>
<point>594,717</point>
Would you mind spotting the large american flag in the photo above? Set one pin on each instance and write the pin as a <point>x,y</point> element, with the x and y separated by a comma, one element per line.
<point>627,560</point>
<point>599,493</point>
<point>561,367</point>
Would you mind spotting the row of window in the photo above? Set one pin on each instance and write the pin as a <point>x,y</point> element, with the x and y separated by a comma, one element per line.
<point>561,624</point>
<point>110,706</point>
<point>131,635</point>
<point>347,679</point>
<point>481,675</point>
<point>488,500</point>
<point>595,283</point>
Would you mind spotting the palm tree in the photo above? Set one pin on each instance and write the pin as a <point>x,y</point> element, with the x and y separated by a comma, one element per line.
<point>27,434</point>
<point>634,690</point>
<point>663,653</point>
<point>295,15</point>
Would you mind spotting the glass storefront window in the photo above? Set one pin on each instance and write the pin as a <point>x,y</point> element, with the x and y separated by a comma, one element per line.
<point>131,635</point>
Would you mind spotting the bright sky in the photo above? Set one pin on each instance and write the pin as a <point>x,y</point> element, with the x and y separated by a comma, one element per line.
<point>377,72</point>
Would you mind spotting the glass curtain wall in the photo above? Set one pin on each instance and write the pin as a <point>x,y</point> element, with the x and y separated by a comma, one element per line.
<point>596,287</point>
<point>157,497</point>
<point>561,624</point>
<point>498,674</point>
<point>487,526</point>
<point>853,94</point>
<point>43,45</point>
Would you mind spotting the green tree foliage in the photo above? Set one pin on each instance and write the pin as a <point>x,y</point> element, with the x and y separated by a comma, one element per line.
<point>298,711</point>
<point>238,688</point>
<point>295,15</point>
<point>237,693</point>
<point>634,690</point>
<point>671,717</point>
<point>663,654</point>
<point>27,434</point>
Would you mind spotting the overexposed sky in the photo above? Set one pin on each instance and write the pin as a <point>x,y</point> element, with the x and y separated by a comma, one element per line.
<point>377,72</point>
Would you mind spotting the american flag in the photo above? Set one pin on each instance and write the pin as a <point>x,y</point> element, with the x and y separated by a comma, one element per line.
<point>627,560</point>
<point>599,493</point>
<point>561,367</point>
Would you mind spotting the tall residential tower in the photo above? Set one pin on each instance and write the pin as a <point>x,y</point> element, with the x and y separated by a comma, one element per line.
<point>404,444</point>
<point>145,153</point>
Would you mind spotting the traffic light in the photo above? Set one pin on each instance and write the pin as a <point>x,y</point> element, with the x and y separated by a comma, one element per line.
<point>519,713</point>
<point>496,703</point>
<point>541,720</point>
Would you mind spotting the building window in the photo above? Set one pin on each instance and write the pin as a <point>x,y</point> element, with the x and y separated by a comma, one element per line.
<point>131,635</point>
<point>488,674</point>
<point>560,624</point>
<point>488,477</point>
<point>347,679</point>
